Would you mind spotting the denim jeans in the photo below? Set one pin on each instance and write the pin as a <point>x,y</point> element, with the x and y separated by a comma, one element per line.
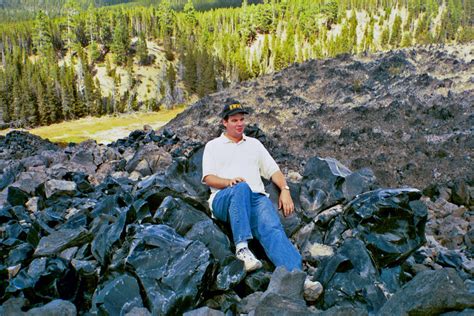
<point>253,215</point>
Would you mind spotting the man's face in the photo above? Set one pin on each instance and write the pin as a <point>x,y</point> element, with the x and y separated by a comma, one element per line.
<point>235,125</point>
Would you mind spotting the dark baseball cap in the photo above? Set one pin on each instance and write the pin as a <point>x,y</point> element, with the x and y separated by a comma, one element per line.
<point>231,107</point>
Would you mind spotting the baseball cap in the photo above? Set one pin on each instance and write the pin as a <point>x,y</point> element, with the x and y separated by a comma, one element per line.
<point>231,107</point>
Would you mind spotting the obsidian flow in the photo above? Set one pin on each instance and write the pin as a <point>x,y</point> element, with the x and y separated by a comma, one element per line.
<point>151,244</point>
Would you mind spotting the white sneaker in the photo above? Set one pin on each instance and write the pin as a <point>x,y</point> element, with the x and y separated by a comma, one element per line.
<point>250,262</point>
<point>312,290</point>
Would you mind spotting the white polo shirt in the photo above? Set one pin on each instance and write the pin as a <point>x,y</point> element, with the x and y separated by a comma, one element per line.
<point>248,159</point>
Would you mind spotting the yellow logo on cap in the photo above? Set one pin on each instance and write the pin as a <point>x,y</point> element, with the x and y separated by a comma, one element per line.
<point>235,106</point>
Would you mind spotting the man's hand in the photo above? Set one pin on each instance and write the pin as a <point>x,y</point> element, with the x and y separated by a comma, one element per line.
<point>233,181</point>
<point>286,202</point>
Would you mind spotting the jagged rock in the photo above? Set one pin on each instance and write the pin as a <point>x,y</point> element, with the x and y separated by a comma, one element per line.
<point>226,302</point>
<point>54,308</point>
<point>231,271</point>
<point>249,303</point>
<point>59,187</point>
<point>69,253</point>
<point>148,160</point>
<point>82,182</point>
<point>157,187</point>
<point>276,304</point>
<point>468,266</point>
<point>172,270</point>
<point>138,311</point>
<point>107,231</point>
<point>33,161</point>
<point>48,277</point>
<point>430,293</point>
<point>117,296</point>
<point>86,154</point>
<point>287,284</point>
<point>13,306</point>
<point>327,182</point>
<point>53,157</point>
<point>257,282</point>
<point>449,258</point>
<point>461,193</point>
<point>10,171</point>
<point>390,222</point>
<point>350,278</point>
<point>60,240</point>
<point>230,274</point>
<point>28,181</point>
<point>204,311</point>
<point>284,294</point>
<point>106,169</point>
<point>179,215</point>
<point>17,196</point>
<point>344,311</point>
<point>19,253</point>
<point>207,232</point>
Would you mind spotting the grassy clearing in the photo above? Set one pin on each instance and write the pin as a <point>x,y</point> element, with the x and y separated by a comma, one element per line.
<point>102,129</point>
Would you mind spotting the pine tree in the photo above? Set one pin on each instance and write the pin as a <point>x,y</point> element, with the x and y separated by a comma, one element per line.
<point>142,50</point>
<point>190,14</point>
<point>352,33</point>
<point>72,10</point>
<point>264,18</point>
<point>454,8</point>
<point>422,34</point>
<point>166,18</point>
<point>94,52</point>
<point>42,35</point>
<point>247,26</point>
<point>171,79</point>
<point>396,35</point>
<point>206,82</point>
<point>121,40</point>
<point>406,40</point>
<point>190,72</point>
<point>384,37</point>
<point>67,94</point>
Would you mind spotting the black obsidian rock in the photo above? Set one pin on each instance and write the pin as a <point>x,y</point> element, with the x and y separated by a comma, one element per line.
<point>117,296</point>
<point>349,277</point>
<point>327,182</point>
<point>173,271</point>
<point>391,223</point>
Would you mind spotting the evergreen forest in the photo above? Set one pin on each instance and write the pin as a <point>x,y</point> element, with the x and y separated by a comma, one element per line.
<point>65,59</point>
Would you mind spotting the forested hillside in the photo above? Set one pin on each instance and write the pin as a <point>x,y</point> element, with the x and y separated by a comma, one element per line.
<point>104,60</point>
<point>14,10</point>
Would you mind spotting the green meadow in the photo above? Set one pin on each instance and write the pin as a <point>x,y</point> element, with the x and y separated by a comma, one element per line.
<point>102,129</point>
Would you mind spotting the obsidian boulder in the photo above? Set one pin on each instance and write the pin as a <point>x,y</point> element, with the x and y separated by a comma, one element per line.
<point>391,223</point>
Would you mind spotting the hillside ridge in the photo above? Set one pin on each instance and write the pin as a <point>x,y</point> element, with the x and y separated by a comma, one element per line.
<point>408,114</point>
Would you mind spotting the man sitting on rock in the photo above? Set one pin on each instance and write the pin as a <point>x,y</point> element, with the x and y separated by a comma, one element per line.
<point>232,167</point>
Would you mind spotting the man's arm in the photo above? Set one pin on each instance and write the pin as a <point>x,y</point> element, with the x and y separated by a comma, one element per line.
<point>285,201</point>
<point>221,183</point>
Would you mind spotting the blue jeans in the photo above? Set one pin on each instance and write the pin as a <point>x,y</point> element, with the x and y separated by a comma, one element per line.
<point>253,215</point>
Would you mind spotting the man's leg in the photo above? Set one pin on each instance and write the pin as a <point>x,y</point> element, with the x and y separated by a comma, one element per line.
<point>232,205</point>
<point>267,228</point>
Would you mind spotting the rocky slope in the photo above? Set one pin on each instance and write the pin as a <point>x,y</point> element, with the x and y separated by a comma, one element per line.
<point>407,114</point>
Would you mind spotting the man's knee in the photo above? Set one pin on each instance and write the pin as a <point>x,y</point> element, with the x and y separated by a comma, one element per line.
<point>242,186</point>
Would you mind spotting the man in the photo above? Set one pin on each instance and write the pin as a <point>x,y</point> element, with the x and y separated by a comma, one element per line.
<point>232,167</point>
